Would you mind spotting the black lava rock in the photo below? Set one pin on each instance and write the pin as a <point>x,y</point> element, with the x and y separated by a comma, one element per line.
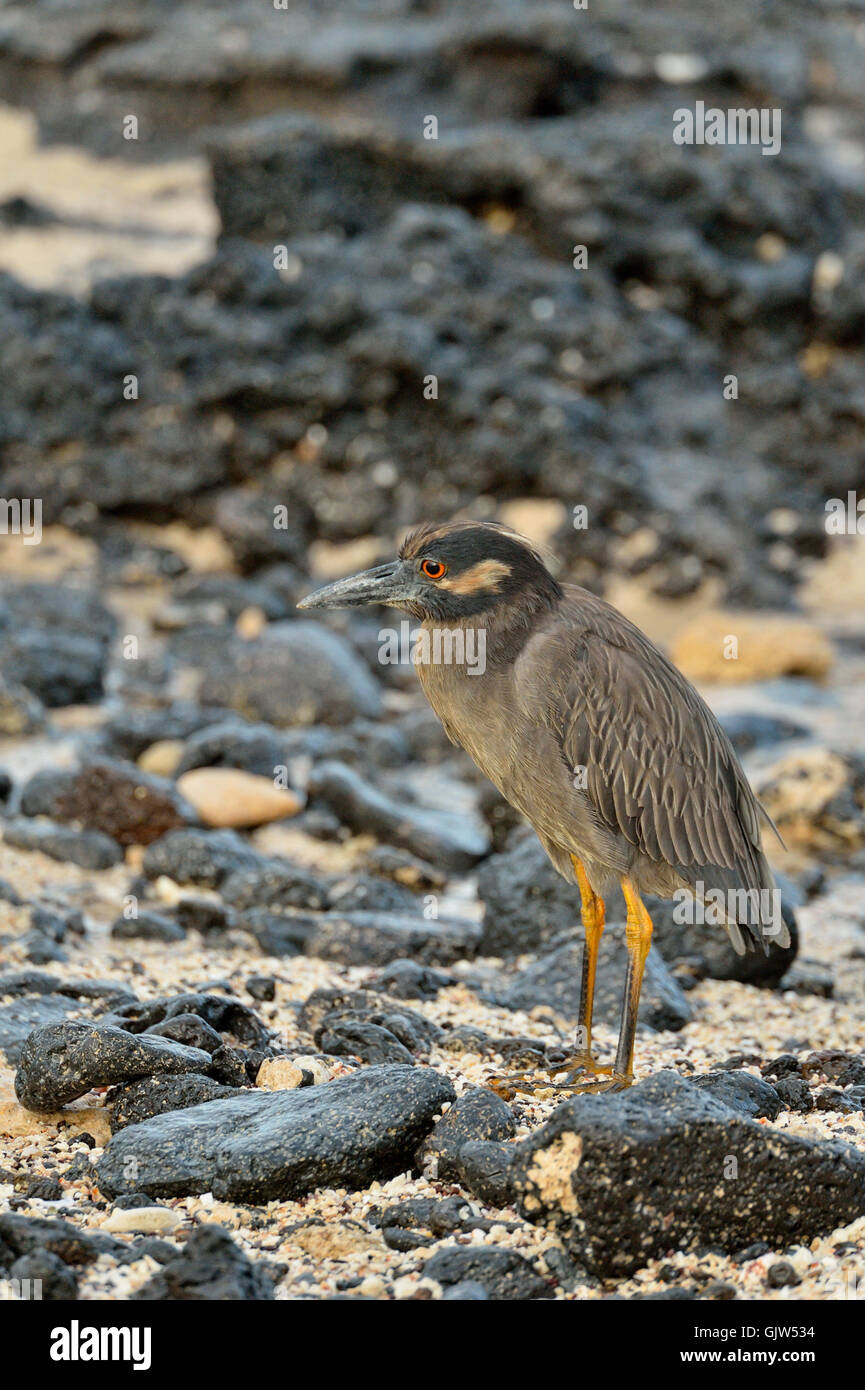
<point>282,1144</point>
<point>665,1147</point>
<point>155,1095</point>
<point>65,1060</point>
<point>205,857</point>
<point>257,748</point>
<point>23,1016</point>
<point>747,1094</point>
<point>90,849</point>
<point>326,1008</point>
<point>203,915</point>
<point>262,987</point>
<point>33,1235</point>
<point>189,1029</point>
<point>274,884</point>
<point>59,668</point>
<point>45,1189</point>
<point>750,730</point>
<point>505,1274</point>
<point>115,798</point>
<point>210,1267</point>
<point>147,926</point>
<point>486,1170</point>
<point>55,1280</point>
<point>295,673</point>
<point>368,1041</point>
<point>221,1012</point>
<point>785,1065</point>
<point>794,1094</point>
<point>528,905</point>
<point>478,1115</point>
<point>553,981</point>
<point>406,979</point>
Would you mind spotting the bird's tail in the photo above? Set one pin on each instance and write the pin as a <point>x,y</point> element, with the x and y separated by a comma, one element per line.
<point>747,901</point>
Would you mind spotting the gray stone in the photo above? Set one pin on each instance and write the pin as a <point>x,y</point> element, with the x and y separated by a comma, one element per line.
<point>89,849</point>
<point>447,839</point>
<point>295,673</point>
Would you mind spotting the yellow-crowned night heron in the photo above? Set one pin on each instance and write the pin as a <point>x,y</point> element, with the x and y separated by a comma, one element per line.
<point>589,731</point>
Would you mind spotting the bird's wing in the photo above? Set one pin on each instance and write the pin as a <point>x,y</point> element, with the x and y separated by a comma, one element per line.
<point>658,768</point>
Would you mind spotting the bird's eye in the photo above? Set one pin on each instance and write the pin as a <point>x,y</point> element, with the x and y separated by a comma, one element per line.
<point>434,569</point>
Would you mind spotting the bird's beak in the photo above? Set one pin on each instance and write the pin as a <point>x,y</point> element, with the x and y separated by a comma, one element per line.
<point>394,584</point>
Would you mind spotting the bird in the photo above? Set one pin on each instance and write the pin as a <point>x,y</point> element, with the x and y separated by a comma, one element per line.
<point>595,737</point>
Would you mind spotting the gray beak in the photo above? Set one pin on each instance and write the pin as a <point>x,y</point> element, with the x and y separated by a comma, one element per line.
<point>388,584</point>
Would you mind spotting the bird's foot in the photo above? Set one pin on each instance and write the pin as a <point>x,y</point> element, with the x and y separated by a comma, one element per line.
<point>575,1082</point>
<point>616,1081</point>
<point>575,1062</point>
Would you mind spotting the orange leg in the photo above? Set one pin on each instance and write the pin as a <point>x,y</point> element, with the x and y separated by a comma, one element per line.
<point>580,1061</point>
<point>593,917</point>
<point>638,932</point>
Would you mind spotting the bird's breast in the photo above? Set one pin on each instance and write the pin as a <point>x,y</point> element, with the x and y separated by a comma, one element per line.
<point>473,705</point>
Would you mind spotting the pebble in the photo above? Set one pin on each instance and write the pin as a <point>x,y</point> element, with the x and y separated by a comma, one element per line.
<point>143,1220</point>
<point>228,798</point>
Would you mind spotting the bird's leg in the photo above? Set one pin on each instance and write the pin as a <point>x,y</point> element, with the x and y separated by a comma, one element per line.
<point>638,935</point>
<point>580,1060</point>
<point>593,916</point>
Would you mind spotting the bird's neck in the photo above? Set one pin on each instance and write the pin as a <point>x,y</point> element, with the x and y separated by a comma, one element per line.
<point>493,636</point>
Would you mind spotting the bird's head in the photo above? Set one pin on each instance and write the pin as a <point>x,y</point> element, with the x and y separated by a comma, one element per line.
<point>448,573</point>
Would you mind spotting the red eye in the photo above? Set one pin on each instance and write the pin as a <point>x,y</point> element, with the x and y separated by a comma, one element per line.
<point>434,569</point>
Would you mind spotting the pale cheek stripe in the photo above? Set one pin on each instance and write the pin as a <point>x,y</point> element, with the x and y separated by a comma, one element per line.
<point>485,575</point>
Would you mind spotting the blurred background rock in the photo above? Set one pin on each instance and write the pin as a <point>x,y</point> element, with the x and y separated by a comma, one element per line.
<point>405,257</point>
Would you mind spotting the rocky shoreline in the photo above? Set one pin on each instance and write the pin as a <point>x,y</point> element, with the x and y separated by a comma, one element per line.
<point>265,935</point>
